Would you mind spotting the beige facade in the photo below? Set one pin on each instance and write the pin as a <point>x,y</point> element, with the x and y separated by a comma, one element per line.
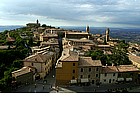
<point>46,37</point>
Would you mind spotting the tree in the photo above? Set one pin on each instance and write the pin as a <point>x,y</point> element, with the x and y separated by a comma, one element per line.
<point>120,55</point>
<point>44,25</point>
<point>17,64</point>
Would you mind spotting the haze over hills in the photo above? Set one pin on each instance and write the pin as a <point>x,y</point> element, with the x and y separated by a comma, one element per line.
<point>128,34</point>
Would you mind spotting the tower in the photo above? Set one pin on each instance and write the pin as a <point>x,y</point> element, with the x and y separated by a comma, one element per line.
<point>107,34</point>
<point>87,29</point>
<point>37,22</point>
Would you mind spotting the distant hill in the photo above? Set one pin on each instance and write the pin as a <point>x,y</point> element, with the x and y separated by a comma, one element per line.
<point>3,28</point>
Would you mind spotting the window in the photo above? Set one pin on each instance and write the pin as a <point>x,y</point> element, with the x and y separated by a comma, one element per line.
<point>73,64</point>
<point>105,74</point>
<point>73,71</point>
<point>81,69</point>
<point>81,76</point>
<point>131,74</point>
<point>89,69</point>
<point>88,76</point>
<point>119,75</point>
<point>96,75</point>
<point>113,74</point>
<point>97,69</point>
<point>73,77</point>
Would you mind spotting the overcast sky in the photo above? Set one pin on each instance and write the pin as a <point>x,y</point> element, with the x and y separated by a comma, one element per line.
<point>96,13</point>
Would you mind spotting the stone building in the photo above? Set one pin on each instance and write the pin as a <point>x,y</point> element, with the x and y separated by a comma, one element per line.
<point>33,25</point>
<point>128,73</point>
<point>42,61</point>
<point>119,74</point>
<point>76,35</point>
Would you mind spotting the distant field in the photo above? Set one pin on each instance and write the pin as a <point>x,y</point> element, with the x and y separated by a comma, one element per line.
<point>132,35</point>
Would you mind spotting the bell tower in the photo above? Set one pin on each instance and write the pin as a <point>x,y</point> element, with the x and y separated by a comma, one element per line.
<point>107,34</point>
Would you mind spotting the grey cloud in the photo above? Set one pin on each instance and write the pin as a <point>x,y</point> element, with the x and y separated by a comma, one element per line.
<point>82,11</point>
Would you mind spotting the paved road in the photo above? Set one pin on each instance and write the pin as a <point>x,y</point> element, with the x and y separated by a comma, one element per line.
<point>103,88</point>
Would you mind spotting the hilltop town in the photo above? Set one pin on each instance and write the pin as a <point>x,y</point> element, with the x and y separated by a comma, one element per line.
<point>48,59</point>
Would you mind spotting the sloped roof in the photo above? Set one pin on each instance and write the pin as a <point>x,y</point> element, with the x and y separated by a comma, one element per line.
<point>127,68</point>
<point>134,58</point>
<point>21,71</point>
<point>73,56</point>
<point>41,56</point>
<point>109,69</point>
<point>87,61</point>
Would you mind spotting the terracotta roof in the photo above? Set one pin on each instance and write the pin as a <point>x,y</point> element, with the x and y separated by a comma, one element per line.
<point>127,68</point>
<point>134,58</point>
<point>10,39</point>
<point>87,61</point>
<point>77,33</point>
<point>109,69</point>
